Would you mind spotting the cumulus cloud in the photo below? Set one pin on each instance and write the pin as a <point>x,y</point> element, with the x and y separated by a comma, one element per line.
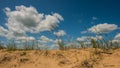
<point>82,39</point>
<point>49,43</point>
<point>117,36</point>
<point>103,28</point>
<point>26,38</point>
<point>116,39</point>
<point>3,31</point>
<point>54,46</point>
<point>60,33</point>
<point>87,43</point>
<point>87,38</point>
<point>99,37</point>
<point>45,39</point>
<point>27,19</point>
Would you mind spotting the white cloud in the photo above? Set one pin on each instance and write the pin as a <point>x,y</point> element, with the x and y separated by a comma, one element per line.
<point>82,39</point>
<point>3,31</point>
<point>60,33</point>
<point>57,40</point>
<point>31,38</point>
<point>117,36</point>
<point>24,38</point>
<point>45,39</point>
<point>87,43</point>
<point>83,32</point>
<point>103,28</point>
<point>48,43</point>
<point>115,42</point>
<point>99,37</point>
<point>54,46</point>
<point>116,39</point>
<point>27,19</point>
<point>87,38</point>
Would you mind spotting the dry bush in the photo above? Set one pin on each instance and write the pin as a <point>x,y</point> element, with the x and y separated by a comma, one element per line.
<point>23,60</point>
<point>61,45</point>
<point>2,47</point>
<point>11,47</point>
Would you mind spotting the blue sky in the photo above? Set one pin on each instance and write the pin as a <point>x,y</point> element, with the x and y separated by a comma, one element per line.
<point>79,15</point>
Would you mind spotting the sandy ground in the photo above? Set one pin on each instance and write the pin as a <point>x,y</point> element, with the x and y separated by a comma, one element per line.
<point>73,58</point>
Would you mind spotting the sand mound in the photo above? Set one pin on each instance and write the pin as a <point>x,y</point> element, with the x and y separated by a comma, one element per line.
<point>73,58</point>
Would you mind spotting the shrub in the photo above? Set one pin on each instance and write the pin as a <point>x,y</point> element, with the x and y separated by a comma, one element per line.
<point>61,45</point>
<point>94,44</point>
<point>11,46</point>
<point>2,47</point>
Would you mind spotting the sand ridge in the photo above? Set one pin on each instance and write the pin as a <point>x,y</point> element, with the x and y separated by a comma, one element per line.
<point>73,58</point>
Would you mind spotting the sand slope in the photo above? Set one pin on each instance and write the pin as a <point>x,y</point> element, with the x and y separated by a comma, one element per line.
<point>73,58</point>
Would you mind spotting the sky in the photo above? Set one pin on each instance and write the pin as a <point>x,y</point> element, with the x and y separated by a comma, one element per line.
<point>74,18</point>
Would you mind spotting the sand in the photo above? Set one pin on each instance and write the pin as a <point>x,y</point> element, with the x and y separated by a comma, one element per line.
<point>73,58</point>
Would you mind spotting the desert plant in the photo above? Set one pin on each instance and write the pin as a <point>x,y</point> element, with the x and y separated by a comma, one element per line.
<point>94,44</point>
<point>116,45</point>
<point>81,43</point>
<point>61,45</point>
<point>12,46</point>
<point>27,46</point>
<point>87,64</point>
<point>23,53</point>
<point>1,46</point>
<point>23,59</point>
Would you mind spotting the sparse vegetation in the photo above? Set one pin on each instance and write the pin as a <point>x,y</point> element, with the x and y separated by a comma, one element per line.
<point>23,59</point>
<point>61,45</point>
<point>31,35</point>
<point>96,44</point>
<point>23,53</point>
<point>11,46</point>
<point>1,47</point>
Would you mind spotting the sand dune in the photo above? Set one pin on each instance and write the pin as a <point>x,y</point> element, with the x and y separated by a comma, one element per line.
<point>73,58</point>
